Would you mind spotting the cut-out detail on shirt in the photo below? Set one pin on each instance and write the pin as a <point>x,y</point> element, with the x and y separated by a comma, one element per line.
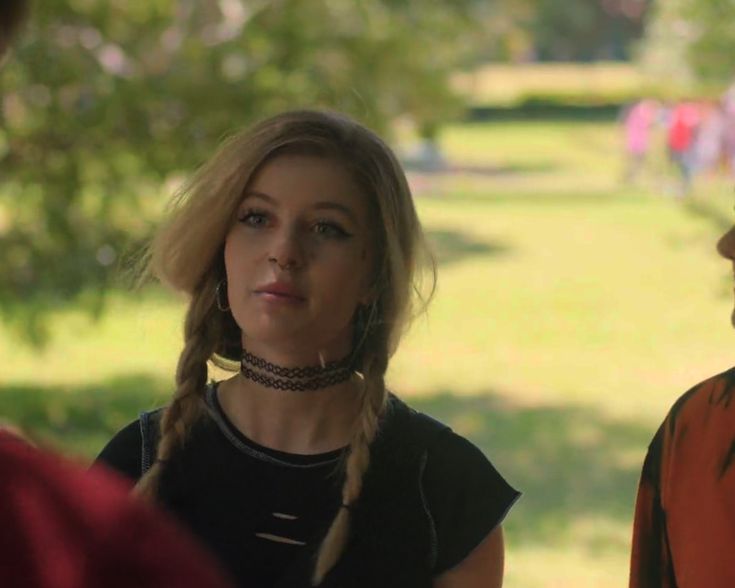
<point>279,539</point>
<point>283,515</point>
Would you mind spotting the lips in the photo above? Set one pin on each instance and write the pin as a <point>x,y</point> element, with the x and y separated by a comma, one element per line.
<point>280,291</point>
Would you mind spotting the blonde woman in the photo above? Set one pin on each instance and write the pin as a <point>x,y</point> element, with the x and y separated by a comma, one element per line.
<point>300,250</point>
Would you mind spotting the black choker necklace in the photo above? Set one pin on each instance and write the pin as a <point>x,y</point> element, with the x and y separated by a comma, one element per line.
<point>270,375</point>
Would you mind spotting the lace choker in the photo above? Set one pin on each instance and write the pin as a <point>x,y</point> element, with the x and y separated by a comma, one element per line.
<point>266,374</point>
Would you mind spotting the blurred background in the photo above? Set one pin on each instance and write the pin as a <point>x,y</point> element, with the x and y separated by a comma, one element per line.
<point>573,168</point>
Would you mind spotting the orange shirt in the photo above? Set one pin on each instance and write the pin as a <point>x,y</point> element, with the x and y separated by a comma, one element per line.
<point>684,529</point>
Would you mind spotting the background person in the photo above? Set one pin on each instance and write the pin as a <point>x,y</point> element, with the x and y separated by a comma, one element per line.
<point>300,249</point>
<point>64,527</point>
<point>638,124</point>
<point>683,123</point>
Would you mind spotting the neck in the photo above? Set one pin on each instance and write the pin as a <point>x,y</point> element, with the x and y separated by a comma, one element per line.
<point>300,355</point>
<point>303,422</point>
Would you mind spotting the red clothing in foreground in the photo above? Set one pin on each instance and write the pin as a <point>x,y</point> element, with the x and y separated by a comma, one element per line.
<point>63,527</point>
<point>684,530</point>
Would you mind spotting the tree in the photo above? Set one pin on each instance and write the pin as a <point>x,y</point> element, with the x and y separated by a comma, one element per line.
<point>105,100</point>
<point>575,30</point>
<point>692,40</point>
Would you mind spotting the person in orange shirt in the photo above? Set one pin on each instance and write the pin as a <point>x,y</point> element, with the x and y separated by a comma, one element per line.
<point>684,527</point>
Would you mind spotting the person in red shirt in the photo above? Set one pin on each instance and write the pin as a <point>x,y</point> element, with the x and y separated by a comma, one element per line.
<point>682,131</point>
<point>684,527</point>
<point>64,527</point>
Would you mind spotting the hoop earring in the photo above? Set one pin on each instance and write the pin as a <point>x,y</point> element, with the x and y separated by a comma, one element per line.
<point>218,293</point>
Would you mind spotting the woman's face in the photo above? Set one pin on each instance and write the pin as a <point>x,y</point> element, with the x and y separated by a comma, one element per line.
<point>298,258</point>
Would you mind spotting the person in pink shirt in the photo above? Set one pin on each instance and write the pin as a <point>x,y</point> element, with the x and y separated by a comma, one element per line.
<point>638,125</point>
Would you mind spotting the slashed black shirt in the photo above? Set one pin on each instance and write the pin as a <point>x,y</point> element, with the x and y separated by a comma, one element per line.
<point>258,509</point>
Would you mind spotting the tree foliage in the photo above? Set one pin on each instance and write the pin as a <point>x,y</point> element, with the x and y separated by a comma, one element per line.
<point>105,100</point>
<point>692,40</point>
<point>711,51</point>
<point>575,30</point>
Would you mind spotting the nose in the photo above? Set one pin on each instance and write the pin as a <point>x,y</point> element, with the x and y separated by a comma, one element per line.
<point>287,249</point>
<point>726,245</point>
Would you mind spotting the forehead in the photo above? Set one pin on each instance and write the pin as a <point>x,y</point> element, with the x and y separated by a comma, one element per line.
<point>292,179</point>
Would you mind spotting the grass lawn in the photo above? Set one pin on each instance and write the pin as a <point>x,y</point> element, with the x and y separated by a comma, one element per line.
<point>571,312</point>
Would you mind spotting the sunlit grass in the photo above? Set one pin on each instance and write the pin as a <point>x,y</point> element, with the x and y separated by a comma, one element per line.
<point>583,302</point>
<point>503,84</point>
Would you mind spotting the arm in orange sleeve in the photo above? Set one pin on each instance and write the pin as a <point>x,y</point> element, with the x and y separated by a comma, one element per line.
<point>651,565</point>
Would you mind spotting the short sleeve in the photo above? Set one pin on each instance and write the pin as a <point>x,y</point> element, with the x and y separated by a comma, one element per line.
<point>124,452</point>
<point>466,496</point>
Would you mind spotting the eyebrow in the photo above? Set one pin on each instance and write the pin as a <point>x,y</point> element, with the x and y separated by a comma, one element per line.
<point>322,205</point>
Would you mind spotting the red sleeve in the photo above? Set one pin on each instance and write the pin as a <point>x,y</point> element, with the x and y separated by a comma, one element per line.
<point>63,526</point>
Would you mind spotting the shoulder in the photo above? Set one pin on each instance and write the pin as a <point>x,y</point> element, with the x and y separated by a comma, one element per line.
<point>458,475</point>
<point>713,394</point>
<point>61,482</point>
<point>90,517</point>
<point>699,422</point>
<point>446,454</point>
<point>465,495</point>
<point>124,452</point>
<point>453,453</point>
<point>405,433</point>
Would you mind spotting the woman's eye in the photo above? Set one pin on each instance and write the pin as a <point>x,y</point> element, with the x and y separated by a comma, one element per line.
<point>254,219</point>
<point>326,229</point>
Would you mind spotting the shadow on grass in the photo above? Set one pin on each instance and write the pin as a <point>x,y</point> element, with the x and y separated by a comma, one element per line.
<point>450,246</point>
<point>80,420</point>
<point>718,218</point>
<point>573,464</point>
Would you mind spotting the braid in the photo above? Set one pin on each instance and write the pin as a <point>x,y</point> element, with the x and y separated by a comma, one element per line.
<point>200,335</point>
<point>373,399</point>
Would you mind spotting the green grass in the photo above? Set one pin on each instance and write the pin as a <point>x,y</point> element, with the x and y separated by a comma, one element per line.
<point>571,312</point>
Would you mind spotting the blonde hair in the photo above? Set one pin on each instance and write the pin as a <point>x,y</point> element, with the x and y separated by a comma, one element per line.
<point>187,255</point>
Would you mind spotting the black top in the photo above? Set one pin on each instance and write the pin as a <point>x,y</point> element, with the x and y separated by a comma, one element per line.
<point>243,498</point>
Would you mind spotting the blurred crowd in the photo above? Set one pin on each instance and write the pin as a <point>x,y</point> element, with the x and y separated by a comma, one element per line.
<point>698,136</point>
